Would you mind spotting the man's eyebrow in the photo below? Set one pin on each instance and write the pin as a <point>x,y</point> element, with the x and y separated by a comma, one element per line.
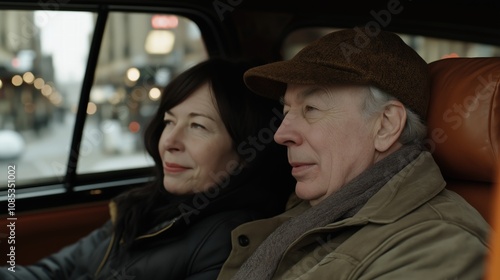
<point>305,93</point>
<point>310,91</point>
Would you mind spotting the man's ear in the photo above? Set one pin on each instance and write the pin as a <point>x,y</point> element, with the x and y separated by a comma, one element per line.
<point>391,126</point>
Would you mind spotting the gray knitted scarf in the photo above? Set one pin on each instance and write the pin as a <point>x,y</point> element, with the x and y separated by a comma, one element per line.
<point>342,204</point>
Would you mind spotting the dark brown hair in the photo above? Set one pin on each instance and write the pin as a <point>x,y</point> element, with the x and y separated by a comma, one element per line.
<point>251,120</point>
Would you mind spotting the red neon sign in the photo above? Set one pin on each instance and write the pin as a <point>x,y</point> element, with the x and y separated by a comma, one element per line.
<point>164,21</point>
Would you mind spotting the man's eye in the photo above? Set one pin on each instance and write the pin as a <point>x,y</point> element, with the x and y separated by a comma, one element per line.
<point>286,109</point>
<point>310,108</point>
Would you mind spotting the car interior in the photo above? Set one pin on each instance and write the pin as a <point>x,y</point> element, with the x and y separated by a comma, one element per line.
<point>56,208</point>
<point>464,126</point>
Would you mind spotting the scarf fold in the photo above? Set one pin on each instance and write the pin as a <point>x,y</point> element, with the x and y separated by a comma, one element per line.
<point>344,203</point>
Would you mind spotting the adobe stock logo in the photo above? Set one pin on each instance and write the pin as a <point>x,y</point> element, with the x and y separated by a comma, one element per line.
<point>29,29</point>
<point>121,274</point>
<point>372,28</point>
<point>458,112</point>
<point>228,6</point>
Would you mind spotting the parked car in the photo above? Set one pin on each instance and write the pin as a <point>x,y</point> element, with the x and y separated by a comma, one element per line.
<point>88,74</point>
<point>11,145</point>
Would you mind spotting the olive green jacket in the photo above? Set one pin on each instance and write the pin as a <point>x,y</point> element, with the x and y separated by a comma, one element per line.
<point>411,229</point>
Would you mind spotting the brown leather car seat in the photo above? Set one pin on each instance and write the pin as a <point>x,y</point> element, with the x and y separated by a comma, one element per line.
<point>464,126</point>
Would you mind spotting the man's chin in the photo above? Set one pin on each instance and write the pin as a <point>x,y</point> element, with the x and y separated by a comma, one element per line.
<point>307,192</point>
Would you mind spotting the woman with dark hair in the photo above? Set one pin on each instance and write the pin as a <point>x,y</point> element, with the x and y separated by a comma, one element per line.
<point>217,167</point>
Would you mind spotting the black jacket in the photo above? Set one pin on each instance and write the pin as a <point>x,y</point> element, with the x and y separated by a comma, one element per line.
<point>171,252</point>
<point>191,246</point>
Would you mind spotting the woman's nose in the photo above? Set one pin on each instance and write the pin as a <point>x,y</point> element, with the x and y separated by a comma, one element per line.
<point>173,139</point>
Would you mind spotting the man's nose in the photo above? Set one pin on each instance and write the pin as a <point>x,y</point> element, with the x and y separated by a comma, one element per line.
<point>288,133</point>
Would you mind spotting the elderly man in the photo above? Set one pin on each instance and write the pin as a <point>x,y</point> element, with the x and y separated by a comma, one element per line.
<point>373,203</point>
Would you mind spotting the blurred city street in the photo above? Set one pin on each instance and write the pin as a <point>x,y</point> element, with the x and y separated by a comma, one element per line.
<point>46,155</point>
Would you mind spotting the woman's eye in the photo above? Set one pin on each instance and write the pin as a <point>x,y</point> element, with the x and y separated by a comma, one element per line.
<point>197,125</point>
<point>167,122</point>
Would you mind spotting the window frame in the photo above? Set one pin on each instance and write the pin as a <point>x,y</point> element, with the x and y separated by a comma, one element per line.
<point>76,188</point>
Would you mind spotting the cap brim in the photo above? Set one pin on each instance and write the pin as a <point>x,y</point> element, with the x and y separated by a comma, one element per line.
<point>271,80</point>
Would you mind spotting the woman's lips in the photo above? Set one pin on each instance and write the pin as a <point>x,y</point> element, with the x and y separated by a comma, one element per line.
<point>173,168</point>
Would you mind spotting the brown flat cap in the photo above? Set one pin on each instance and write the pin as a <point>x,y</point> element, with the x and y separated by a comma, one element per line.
<point>351,56</point>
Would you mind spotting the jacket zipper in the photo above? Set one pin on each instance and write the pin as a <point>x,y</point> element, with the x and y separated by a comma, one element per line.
<point>158,232</point>
<point>106,256</point>
<point>108,250</point>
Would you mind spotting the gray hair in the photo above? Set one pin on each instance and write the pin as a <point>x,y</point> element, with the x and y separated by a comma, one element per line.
<point>414,130</point>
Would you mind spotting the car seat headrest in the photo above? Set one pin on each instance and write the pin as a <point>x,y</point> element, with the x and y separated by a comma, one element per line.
<point>464,117</point>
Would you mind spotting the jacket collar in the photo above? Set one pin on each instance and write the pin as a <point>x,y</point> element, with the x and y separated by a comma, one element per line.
<point>156,230</point>
<point>414,185</point>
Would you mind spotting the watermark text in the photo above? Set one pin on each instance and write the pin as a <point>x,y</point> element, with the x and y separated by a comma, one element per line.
<point>11,219</point>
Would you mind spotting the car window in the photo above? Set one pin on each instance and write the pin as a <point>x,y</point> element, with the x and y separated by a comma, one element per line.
<point>42,67</point>
<point>429,48</point>
<point>140,54</point>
